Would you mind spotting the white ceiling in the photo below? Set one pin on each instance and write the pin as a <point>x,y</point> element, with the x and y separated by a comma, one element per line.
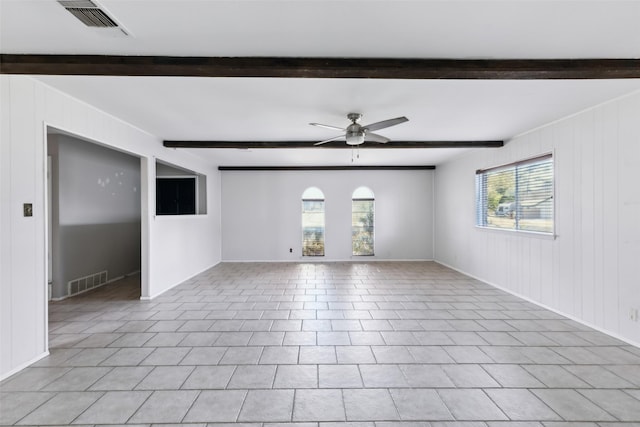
<point>280,109</point>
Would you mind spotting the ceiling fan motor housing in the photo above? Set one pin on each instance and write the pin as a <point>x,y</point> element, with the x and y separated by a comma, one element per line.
<point>354,134</point>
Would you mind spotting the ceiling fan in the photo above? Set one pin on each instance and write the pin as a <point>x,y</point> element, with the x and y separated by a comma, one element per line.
<point>356,134</point>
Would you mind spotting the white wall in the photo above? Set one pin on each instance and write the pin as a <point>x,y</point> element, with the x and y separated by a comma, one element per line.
<point>589,271</point>
<point>26,106</point>
<point>261,214</point>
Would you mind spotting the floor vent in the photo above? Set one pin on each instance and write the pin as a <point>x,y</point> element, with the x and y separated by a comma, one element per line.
<point>86,283</point>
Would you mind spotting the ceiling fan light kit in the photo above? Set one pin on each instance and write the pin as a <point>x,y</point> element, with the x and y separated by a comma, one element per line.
<point>356,134</point>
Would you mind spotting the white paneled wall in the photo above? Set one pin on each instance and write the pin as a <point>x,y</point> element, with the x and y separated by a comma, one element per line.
<point>27,107</point>
<point>590,270</point>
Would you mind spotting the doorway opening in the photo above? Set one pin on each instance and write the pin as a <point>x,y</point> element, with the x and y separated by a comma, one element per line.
<point>94,216</point>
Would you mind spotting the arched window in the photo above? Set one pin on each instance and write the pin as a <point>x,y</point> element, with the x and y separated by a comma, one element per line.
<point>362,221</point>
<point>312,222</point>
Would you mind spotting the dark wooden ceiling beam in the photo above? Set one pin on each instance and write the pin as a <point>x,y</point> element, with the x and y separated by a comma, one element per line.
<point>244,145</point>
<point>290,67</point>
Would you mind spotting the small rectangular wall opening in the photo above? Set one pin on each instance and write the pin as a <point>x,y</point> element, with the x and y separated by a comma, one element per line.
<point>180,191</point>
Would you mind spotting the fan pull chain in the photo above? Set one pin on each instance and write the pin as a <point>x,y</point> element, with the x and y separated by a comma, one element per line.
<point>356,149</point>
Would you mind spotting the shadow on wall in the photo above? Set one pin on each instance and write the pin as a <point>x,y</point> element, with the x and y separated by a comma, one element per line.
<point>95,214</point>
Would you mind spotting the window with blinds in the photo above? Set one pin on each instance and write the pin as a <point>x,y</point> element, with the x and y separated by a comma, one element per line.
<point>313,222</point>
<point>362,222</point>
<point>517,196</point>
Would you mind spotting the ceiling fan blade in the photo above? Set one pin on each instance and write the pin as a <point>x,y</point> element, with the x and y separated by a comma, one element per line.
<point>327,126</point>
<point>374,137</point>
<point>329,140</point>
<point>386,123</point>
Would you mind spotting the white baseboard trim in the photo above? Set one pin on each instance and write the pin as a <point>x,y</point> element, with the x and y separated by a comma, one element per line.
<point>20,367</point>
<point>546,307</point>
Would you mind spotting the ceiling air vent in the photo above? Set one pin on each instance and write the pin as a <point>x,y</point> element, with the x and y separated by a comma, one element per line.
<point>90,14</point>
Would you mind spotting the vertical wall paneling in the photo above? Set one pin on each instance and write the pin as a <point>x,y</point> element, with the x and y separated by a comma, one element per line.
<point>6,235</point>
<point>589,271</point>
<point>610,221</point>
<point>629,214</point>
<point>27,107</point>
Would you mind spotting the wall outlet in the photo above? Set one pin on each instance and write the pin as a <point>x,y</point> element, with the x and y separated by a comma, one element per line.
<point>290,250</point>
<point>633,314</point>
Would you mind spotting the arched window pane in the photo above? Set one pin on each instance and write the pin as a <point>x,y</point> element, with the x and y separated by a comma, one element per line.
<point>362,193</point>
<point>313,193</point>
<point>312,222</point>
<point>362,222</point>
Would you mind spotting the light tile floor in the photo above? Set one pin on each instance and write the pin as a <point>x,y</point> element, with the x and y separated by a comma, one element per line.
<point>372,344</point>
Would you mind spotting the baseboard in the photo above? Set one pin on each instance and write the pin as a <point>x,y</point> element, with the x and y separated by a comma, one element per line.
<point>20,367</point>
<point>546,307</point>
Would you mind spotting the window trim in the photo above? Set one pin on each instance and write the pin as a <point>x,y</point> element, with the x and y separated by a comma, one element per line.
<point>529,160</point>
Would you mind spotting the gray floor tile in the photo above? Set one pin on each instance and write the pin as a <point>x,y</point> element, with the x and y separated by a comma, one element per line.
<point>429,354</point>
<point>216,406</point>
<point>165,378</point>
<point>599,377</point>
<point>267,406</point>
<point>317,354</point>
<point>419,404</point>
<point>354,354</point>
<point>127,357</point>
<point>89,357</point>
<point>166,356</point>
<point>165,407</point>
<point>15,405</point>
<point>209,377</point>
<point>520,404</point>
<point>333,338</point>
<point>32,379</point>
<point>339,376</point>
<point>572,406</point>
<point>470,404</point>
<point>372,404</point>
<point>241,356</point>
<point>296,376</point>
<point>114,407</point>
<point>617,403</point>
<point>318,405</point>
<point>512,376</point>
<point>554,376</point>
<point>428,376</point>
<point>204,356</point>
<point>61,409</point>
<point>279,355</point>
<point>77,379</point>
<point>199,339</point>
<point>121,378</point>
<point>471,376</point>
<point>266,338</point>
<point>392,354</point>
<point>382,376</point>
<point>299,338</point>
<point>258,376</point>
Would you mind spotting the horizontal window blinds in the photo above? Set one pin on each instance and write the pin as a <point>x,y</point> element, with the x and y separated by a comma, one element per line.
<point>517,196</point>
